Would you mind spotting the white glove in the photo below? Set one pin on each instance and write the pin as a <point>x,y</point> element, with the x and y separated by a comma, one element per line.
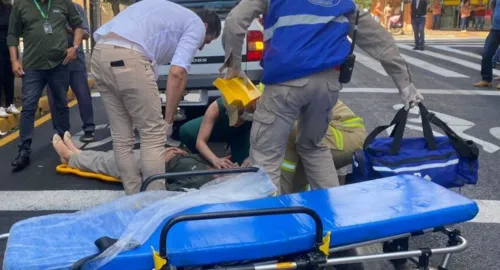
<point>169,129</point>
<point>411,97</point>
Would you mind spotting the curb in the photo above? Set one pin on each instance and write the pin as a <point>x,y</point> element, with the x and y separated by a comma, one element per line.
<point>12,122</point>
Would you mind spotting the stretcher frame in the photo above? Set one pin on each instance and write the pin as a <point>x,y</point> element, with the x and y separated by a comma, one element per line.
<point>395,248</point>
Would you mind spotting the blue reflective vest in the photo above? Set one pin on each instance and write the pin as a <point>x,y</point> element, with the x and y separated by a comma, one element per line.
<point>303,37</point>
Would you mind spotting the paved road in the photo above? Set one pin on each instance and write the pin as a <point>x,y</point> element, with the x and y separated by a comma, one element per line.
<point>445,73</point>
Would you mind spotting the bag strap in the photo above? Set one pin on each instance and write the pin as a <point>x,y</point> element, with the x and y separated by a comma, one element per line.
<point>398,118</point>
<point>467,149</point>
<point>102,244</point>
<point>400,124</point>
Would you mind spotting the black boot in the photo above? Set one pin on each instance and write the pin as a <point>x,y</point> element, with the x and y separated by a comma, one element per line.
<point>22,161</point>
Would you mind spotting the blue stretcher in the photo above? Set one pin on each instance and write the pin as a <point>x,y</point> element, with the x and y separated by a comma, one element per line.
<point>292,231</point>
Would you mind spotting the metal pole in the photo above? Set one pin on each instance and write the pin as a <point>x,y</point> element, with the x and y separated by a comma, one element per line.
<point>95,19</point>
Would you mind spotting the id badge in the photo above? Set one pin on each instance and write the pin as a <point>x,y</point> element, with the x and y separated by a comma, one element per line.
<point>47,28</point>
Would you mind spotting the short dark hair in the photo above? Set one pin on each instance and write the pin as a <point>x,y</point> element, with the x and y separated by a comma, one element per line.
<point>212,19</point>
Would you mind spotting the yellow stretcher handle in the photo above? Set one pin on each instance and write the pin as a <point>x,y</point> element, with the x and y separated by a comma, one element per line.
<point>65,169</point>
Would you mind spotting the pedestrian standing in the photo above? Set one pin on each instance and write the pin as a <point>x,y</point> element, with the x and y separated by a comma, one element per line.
<point>436,14</point>
<point>6,75</point>
<point>78,80</point>
<point>418,18</point>
<point>305,45</point>
<point>465,12</point>
<point>42,24</point>
<point>125,66</point>
<point>480,13</point>
<point>490,47</point>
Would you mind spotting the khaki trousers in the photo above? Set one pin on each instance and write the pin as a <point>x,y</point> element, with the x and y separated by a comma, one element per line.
<point>131,100</point>
<point>309,100</point>
<point>293,177</point>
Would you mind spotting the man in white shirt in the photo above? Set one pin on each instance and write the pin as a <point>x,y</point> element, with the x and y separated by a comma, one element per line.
<point>125,62</point>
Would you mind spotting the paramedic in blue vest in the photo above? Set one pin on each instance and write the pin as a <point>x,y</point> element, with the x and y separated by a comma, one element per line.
<point>305,43</point>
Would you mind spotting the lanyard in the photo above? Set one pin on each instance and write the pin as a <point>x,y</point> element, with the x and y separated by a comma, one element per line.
<point>40,9</point>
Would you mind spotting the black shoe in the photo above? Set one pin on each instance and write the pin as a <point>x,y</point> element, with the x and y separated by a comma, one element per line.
<point>87,137</point>
<point>422,48</point>
<point>416,48</point>
<point>22,161</point>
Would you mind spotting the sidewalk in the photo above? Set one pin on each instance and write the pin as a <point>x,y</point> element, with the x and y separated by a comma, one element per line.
<point>443,34</point>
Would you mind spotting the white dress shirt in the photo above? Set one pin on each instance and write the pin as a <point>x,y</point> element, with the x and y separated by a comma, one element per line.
<point>165,31</point>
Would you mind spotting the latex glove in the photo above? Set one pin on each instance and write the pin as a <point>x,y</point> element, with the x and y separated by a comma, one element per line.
<point>411,97</point>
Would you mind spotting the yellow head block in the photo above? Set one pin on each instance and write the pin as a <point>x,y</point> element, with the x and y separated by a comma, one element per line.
<point>235,92</point>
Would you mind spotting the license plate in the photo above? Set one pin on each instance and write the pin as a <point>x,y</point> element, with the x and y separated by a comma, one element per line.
<point>193,96</point>
<point>190,96</point>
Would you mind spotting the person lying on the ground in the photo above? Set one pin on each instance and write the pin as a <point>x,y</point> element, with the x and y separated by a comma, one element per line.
<point>221,123</point>
<point>100,162</point>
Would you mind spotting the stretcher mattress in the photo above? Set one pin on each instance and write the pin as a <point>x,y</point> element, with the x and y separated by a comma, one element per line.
<point>352,213</point>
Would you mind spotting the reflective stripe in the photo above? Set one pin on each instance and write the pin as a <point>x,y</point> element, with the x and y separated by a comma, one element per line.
<point>416,168</point>
<point>339,138</point>
<point>288,166</point>
<point>354,122</point>
<point>299,20</point>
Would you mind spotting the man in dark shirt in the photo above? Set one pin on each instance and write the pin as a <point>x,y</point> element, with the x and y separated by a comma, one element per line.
<point>42,24</point>
<point>78,80</point>
<point>418,18</point>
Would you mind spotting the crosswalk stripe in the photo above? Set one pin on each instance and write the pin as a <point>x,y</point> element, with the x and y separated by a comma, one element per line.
<point>449,58</point>
<point>55,200</point>
<point>450,49</point>
<point>432,68</point>
<point>454,92</point>
<point>466,46</point>
<point>370,63</point>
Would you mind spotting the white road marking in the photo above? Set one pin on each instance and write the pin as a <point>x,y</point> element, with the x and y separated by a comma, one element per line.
<point>495,132</point>
<point>424,91</point>
<point>55,200</point>
<point>488,212</point>
<point>458,125</point>
<point>450,49</point>
<point>466,45</point>
<point>433,68</point>
<point>450,59</point>
<point>74,200</point>
<point>371,63</point>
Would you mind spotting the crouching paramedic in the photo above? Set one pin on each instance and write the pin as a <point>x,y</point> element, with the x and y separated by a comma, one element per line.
<point>345,134</point>
<point>305,45</point>
<point>221,123</point>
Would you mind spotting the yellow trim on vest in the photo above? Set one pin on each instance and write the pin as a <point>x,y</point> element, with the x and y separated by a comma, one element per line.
<point>288,166</point>
<point>339,138</point>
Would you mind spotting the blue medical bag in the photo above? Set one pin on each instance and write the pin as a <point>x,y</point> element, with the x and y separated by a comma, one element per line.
<point>449,160</point>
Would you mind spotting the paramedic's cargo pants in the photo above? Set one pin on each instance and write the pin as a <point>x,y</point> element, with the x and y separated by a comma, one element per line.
<point>309,100</point>
<point>293,177</point>
<point>132,100</point>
